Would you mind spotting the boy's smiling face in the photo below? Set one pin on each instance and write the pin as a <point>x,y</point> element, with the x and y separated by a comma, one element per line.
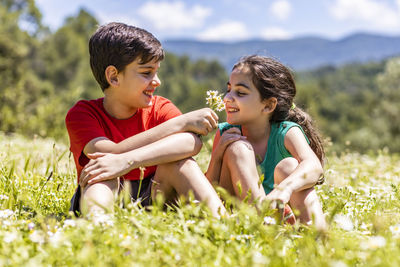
<point>133,88</point>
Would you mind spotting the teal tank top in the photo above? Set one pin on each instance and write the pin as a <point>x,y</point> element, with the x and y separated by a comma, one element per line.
<point>276,150</point>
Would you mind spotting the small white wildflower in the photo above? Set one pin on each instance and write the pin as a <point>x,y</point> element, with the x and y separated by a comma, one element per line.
<point>69,223</point>
<point>6,213</point>
<point>37,237</point>
<point>395,229</point>
<point>374,242</point>
<point>56,238</point>
<point>214,100</point>
<point>259,258</point>
<point>3,197</point>
<point>31,225</point>
<point>103,219</point>
<point>338,264</point>
<point>190,222</point>
<point>269,220</point>
<point>344,222</point>
<point>10,237</point>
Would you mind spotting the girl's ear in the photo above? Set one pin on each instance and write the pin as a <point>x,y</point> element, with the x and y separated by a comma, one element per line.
<point>111,74</point>
<point>270,104</point>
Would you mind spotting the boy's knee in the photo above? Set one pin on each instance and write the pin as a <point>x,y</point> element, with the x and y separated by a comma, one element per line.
<point>99,196</point>
<point>284,168</point>
<point>176,165</point>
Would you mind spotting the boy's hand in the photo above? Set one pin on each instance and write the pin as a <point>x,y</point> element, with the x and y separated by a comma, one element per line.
<point>200,121</point>
<point>102,167</point>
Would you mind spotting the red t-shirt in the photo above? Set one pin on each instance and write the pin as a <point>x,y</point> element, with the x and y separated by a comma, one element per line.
<point>87,120</point>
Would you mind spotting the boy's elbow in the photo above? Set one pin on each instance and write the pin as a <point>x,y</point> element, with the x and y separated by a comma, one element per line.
<point>198,144</point>
<point>194,143</point>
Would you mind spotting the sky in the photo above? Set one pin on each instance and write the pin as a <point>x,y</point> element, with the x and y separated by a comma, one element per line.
<point>236,20</point>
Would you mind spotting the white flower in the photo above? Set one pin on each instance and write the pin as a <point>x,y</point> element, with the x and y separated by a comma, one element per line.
<point>374,242</point>
<point>103,219</point>
<point>214,100</point>
<point>10,237</point>
<point>395,229</point>
<point>259,258</point>
<point>56,238</point>
<point>69,223</point>
<point>37,237</point>
<point>31,225</point>
<point>344,222</point>
<point>2,197</point>
<point>269,220</point>
<point>6,213</point>
<point>338,264</point>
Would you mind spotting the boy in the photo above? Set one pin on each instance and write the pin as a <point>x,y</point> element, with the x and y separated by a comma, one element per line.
<point>112,137</point>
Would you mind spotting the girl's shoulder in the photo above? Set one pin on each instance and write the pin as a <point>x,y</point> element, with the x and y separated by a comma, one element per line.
<point>225,126</point>
<point>281,128</point>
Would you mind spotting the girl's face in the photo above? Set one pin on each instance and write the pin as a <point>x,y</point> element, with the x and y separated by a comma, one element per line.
<point>243,104</point>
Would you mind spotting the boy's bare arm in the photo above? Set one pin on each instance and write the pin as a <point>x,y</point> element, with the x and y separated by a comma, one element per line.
<point>106,166</point>
<point>200,121</point>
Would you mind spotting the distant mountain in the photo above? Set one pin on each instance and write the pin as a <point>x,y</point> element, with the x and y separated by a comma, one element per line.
<point>299,53</point>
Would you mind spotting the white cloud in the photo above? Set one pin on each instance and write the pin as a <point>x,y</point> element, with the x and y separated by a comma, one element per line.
<point>281,9</point>
<point>226,31</point>
<point>173,16</point>
<point>374,13</point>
<point>109,17</point>
<point>275,33</point>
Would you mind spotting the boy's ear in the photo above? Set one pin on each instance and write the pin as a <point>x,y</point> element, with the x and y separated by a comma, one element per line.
<point>111,74</point>
<point>270,104</point>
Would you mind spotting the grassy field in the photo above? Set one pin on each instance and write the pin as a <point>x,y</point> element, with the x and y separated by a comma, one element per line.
<point>361,198</point>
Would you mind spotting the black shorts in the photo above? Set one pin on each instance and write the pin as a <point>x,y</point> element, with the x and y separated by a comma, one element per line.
<point>144,194</point>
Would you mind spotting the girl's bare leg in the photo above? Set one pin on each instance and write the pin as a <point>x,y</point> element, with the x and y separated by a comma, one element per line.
<point>184,176</point>
<point>239,167</point>
<point>305,201</point>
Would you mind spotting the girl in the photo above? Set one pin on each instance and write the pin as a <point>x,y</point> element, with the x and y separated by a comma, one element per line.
<point>265,130</point>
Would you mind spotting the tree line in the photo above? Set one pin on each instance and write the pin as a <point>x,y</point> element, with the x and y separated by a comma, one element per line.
<point>44,73</point>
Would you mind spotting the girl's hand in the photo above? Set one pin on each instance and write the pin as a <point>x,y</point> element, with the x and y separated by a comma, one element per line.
<point>102,167</point>
<point>229,136</point>
<point>279,196</point>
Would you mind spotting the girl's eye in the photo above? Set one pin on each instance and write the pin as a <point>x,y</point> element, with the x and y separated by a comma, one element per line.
<point>240,94</point>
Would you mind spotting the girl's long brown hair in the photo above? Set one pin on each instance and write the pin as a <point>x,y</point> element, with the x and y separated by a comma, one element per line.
<point>273,79</point>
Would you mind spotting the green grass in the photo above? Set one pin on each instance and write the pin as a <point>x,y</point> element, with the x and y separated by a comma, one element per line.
<point>361,198</point>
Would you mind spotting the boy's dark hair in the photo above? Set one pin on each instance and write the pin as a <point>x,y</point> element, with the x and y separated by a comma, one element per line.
<point>273,79</point>
<point>119,44</point>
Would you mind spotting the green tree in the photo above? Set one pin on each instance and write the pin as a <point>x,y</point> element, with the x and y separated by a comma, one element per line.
<point>386,119</point>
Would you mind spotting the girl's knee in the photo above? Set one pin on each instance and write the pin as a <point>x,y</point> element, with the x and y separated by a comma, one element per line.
<point>284,168</point>
<point>240,149</point>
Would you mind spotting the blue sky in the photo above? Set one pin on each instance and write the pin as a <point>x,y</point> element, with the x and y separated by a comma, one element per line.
<point>235,20</point>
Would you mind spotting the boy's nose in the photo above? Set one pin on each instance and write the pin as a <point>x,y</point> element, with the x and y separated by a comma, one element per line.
<point>156,82</point>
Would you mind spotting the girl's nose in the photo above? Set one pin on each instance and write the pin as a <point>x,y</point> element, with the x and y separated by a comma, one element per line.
<point>227,97</point>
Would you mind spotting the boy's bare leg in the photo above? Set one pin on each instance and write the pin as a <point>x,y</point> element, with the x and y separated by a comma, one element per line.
<point>184,176</point>
<point>305,201</point>
<point>99,197</point>
<point>239,166</point>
